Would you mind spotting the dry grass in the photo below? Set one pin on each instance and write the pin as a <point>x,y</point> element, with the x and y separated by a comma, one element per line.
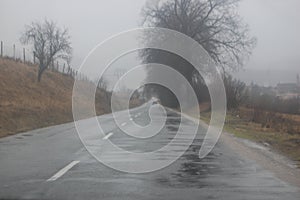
<point>240,124</point>
<point>26,104</point>
<point>279,122</point>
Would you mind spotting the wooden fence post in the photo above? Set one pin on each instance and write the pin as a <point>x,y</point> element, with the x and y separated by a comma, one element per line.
<point>52,65</point>
<point>33,57</point>
<point>24,57</point>
<point>14,49</point>
<point>1,49</point>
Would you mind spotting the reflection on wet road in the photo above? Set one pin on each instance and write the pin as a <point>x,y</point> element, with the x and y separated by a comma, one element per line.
<point>29,159</point>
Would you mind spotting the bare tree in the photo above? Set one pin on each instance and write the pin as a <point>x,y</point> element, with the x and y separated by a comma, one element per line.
<point>236,91</point>
<point>214,24</point>
<point>102,84</point>
<point>49,43</point>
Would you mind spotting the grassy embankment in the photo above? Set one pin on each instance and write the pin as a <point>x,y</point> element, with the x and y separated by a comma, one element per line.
<point>26,104</point>
<point>279,131</point>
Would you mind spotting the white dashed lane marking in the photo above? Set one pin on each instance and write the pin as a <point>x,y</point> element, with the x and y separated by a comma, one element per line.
<point>63,171</point>
<point>108,136</point>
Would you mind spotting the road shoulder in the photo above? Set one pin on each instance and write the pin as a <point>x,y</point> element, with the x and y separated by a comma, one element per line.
<point>281,166</point>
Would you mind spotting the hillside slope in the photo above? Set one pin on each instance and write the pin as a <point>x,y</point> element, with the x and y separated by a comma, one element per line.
<point>26,104</point>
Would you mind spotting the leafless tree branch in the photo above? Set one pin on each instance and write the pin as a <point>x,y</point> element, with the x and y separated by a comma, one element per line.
<point>49,43</point>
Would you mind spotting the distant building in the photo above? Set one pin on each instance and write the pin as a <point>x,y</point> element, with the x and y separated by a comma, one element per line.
<point>288,90</point>
<point>261,90</point>
<point>284,88</point>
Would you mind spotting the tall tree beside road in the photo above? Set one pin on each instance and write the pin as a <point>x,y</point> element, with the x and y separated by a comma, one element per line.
<point>49,43</point>
<point>215,24</point>
<point>236,92</point>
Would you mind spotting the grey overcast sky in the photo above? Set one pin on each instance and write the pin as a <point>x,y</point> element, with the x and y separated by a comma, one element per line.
<point>275,23</point>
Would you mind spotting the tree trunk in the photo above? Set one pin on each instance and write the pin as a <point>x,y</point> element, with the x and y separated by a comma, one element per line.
<point>39,75</point>
<point>40,72</point>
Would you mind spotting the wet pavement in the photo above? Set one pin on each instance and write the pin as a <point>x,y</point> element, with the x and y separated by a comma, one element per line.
<point>28,160</point>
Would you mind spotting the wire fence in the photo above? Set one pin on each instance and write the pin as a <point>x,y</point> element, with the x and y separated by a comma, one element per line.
<point>24,55</point>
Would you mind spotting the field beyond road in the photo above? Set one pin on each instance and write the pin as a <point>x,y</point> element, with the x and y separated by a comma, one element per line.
<point>277,131</point>
<point>26,104</point>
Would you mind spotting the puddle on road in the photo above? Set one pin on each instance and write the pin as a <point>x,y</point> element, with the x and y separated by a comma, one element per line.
<point>173,128</point>
<point>174,121</point>
<point>172,115</point>
<point>192,171</point>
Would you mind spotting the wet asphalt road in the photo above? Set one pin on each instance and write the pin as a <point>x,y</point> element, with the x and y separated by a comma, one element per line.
<point>52,163</point>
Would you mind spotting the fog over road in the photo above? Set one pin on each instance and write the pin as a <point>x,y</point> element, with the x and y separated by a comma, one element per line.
<point>52,163</point>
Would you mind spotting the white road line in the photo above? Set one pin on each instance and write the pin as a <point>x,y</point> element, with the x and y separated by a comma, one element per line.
<point>63,171</point>
<point>108,136</point>
<point>123,124</point>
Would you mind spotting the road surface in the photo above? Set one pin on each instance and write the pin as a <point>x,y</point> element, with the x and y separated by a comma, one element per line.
<point>52,163</point>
